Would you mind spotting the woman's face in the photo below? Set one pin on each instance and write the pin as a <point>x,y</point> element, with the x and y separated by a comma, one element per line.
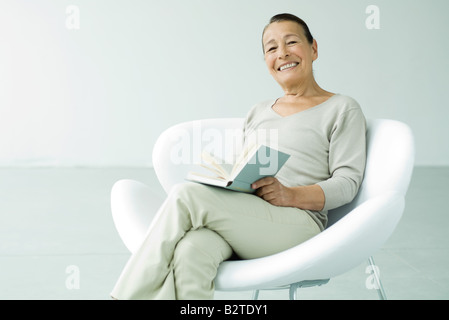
<point>288,54</point>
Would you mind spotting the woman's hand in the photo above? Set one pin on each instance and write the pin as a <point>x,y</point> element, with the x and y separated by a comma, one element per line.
<point>303,197</point>
<point>274,192</point>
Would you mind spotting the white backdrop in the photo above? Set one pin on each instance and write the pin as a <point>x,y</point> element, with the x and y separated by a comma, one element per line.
<point>94,82</point>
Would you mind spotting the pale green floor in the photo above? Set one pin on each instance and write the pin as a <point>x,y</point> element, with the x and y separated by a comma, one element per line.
<point>51,219</point>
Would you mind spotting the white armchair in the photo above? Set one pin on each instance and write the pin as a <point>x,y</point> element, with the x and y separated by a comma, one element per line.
<point>354,233</point>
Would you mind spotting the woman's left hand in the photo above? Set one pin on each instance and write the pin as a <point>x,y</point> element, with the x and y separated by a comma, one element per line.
<point>274,192</point>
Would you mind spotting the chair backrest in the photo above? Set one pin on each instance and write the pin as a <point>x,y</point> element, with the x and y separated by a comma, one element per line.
<point>177,150</point>
<point>390,155</point>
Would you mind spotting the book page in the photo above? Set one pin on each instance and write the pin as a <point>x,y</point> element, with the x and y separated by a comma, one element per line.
<point>213,165</point>
<point>201,178</point>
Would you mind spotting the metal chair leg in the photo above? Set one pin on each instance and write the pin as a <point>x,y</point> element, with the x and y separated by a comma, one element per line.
<point>379,287</point>
<point>255,294</point>
<point>293,288</point>
<point>293,292</point>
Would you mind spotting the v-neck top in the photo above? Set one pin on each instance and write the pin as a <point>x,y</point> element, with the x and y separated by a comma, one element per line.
<point>326,143</point>
<point>273,103</point>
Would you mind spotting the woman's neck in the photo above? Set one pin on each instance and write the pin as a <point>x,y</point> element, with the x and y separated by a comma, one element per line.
<point>305,90</point>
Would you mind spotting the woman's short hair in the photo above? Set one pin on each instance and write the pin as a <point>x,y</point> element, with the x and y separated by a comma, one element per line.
<point>290,17</point>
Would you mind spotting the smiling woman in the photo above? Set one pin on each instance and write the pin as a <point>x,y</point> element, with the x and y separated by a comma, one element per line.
<point>199,226</point>
<point>289,51</point>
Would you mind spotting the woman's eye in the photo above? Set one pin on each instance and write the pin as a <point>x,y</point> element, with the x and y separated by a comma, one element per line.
<point>292,42</point>
<point>271,49</point>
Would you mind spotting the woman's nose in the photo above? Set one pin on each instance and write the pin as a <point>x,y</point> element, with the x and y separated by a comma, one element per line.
<point>282,52</point>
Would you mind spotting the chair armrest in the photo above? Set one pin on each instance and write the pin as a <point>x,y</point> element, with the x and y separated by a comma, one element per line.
<point>336,250</point>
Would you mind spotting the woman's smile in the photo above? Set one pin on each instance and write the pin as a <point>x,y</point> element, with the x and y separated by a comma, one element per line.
<point>288,66</point>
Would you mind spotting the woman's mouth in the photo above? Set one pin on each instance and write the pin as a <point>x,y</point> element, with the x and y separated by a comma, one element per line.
<point>288,66</point>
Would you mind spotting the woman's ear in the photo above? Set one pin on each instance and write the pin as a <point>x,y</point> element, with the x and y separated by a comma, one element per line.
<point>314,50</point>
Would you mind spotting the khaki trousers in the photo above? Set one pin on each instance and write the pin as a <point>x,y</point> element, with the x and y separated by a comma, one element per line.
<point>197,228</point>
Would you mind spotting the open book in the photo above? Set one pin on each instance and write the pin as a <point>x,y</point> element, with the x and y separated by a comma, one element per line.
<point>253,164</point>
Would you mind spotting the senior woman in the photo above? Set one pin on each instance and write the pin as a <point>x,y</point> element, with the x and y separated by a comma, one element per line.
<point>200,226</point>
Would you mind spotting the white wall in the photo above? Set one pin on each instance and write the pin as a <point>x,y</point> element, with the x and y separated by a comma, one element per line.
<point>100,95</point>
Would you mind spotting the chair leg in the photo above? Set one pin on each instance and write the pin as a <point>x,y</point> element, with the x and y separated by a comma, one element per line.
<point>379,287</point>
<point>293,288</point>
<point>255,294</point>
<point>293,292</point>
